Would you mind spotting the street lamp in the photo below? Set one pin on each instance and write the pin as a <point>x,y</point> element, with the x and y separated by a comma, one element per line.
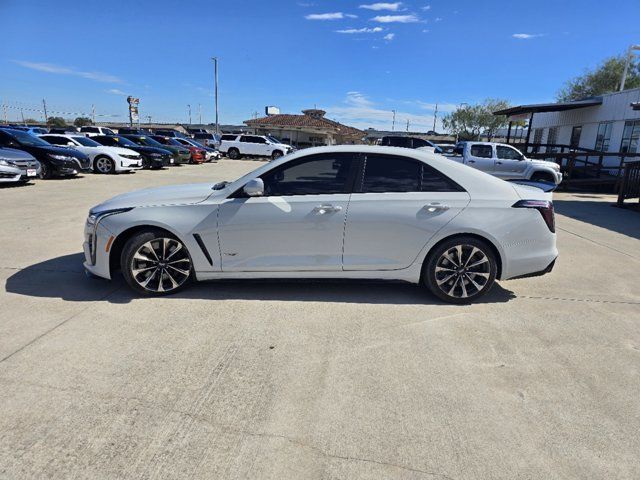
<point>189,108</point>
<point>215,94</point>
<point>626,65</point>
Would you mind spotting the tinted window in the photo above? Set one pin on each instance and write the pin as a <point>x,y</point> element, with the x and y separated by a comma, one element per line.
<point>396,142</point>
<point>55,140</point>
<point>315,175</point>
<point>507,153</point>
<point>482,151</point>
<point>386,173</point>
<point>227,137</point>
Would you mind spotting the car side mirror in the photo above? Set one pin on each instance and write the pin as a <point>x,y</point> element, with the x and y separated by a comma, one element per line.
<point>254,188</point>
<point>71,144</point>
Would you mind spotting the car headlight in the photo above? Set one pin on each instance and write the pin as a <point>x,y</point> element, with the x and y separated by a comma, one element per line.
<point>95,216</point>
<point>55,156</point>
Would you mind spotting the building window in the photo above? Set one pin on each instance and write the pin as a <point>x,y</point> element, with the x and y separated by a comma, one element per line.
<point>603,137</point>
<point>630,137</point>
<point>552,139</point>
<point>537,139</point>
<point>576,133</point>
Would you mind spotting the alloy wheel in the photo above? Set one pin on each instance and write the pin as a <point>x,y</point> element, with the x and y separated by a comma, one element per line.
<point>161,265</point>
<point>103,165</point>
<point>462,271</point>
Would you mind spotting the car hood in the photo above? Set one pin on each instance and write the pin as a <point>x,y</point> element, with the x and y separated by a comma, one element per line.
<point>153,197</point>
<point>148,150</point>
<point>544,163</point>
<point>118,150</point>
<point>13,154</point>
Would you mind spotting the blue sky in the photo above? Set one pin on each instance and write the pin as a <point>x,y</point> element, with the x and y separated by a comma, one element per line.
<point>357,60</point>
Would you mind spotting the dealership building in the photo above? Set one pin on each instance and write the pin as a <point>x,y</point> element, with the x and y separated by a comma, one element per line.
<point>607,123</point>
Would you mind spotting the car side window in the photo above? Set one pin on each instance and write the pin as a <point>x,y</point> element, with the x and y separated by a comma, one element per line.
<point>481,151</point>
<point>245,139</point>
<point>56,140</point>
<point>328,173</point>
<point>387,173</point>
<point>507,153</point>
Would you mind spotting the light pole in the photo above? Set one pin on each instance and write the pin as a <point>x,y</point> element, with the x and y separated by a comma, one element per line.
<point>626,65</point>
<point>215,90</point>
<point>393,122</point>
<point>189,108</point>
<point>200,114</point>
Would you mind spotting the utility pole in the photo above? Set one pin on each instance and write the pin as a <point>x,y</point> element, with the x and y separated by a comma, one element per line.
<point>435,118</point>
<point>44,105</point>
<point>215,93</point>
<point>22,115</point>
<point>393,122</point>
<point>93,114</point>
<point>149,119</point>
<point>4,111</point>
<point>407,125</point>
<point>189,108</point>
<point>200,114</point>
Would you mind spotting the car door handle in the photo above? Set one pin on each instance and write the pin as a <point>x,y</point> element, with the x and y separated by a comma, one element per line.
<point>472,161</point>
<point>435,207</point>
<point>323,209</point>
<point>498,163</point>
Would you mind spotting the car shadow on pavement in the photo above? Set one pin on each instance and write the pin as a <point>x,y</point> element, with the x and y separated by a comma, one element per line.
<point>64,278</point>
<point>601,214</point>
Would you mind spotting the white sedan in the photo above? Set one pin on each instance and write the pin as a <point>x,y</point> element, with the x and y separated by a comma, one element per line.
<point>353,212</point>
<point>103,159</point>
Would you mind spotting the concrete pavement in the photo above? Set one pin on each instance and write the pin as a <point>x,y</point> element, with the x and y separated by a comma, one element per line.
<point>320,380</point>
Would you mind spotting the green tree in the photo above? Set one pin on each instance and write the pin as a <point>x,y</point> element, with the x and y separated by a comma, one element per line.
<point>469,121</point>
<point>82,121</point>
<point>605,78</point>
<point>56,122</point>
<point>30,120</point>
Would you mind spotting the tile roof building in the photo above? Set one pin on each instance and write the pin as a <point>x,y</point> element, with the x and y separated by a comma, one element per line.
<point>309,129</point>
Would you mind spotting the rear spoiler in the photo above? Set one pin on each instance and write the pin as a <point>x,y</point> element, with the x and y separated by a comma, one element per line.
<point>544,186</point>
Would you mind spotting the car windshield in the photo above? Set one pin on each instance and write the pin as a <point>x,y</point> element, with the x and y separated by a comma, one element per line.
<point>87,142</point>
<point>27,139</point>
<point>148,141</point>
<point>273,139</point>
<point>125,142</point>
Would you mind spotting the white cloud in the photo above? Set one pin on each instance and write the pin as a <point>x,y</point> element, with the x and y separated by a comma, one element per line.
<point>396,19</point>
<point>426,30</point>
<point>115,91</point>
<point>60,70</point>
<point>393,7</point>
<point>438,19</point>
<point>389,36</point>
<point>360,112</point>
<point>426,7</point>
<point>360,30</point>
<point>526,36</point>
<point>329,16</point>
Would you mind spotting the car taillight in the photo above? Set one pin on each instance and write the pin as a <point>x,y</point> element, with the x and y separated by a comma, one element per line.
<point>545,208</point>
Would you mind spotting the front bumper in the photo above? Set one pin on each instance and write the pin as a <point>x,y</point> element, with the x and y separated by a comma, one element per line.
<point>95,245</point>
<point>130,164</point>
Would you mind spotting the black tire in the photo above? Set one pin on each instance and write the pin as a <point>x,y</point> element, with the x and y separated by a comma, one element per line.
<point>542,177</point>
<point>460,282</point>
<point>233,153</point>
<point>104,164</point>
<point>160,273</point>
<point>45,171</point>
<point>276,154</point>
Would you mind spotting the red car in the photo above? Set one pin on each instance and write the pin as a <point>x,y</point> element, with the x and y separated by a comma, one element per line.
<point>198,155</point>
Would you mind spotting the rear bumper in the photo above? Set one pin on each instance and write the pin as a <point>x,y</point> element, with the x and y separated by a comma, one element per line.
<point>546,270</point>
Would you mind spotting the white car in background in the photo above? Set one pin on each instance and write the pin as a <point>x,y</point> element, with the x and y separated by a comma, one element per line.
<point>103,159</point>
<point>350,211</point>
<point>91,131</point>
<point>238,146</point>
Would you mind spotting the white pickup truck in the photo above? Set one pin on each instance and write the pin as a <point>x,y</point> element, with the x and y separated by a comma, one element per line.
<point>504,161</point>
<point>237,146</point>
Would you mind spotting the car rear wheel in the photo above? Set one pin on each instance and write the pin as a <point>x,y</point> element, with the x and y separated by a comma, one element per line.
<point>156,263</point>
<point>460,270</point>
<point>104,165</point>
<point>233,153</point>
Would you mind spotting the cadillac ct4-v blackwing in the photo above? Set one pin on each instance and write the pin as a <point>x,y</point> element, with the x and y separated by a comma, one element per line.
<point>331,212</point>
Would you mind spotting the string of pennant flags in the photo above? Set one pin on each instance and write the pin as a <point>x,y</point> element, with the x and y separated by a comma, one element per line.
<point>57,112</point>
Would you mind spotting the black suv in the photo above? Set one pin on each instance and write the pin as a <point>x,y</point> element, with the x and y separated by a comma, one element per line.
<point>54,161</point>
<point>151,157</point>
<point>408,142</point>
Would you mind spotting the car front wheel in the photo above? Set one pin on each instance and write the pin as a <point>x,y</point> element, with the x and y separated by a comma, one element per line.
<point>104,165</point>
<point>460,270</point>
<point>276,155</point>
<point>156,263</point>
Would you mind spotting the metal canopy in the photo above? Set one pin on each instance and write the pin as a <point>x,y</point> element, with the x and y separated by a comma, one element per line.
<point>550,107</point>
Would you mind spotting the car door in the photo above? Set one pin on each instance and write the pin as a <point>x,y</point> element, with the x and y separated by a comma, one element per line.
<point>510,163</point>
<point>247,145</point>
<point>480,156</point>
<point>399,205</point>
<point>297,225</point>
